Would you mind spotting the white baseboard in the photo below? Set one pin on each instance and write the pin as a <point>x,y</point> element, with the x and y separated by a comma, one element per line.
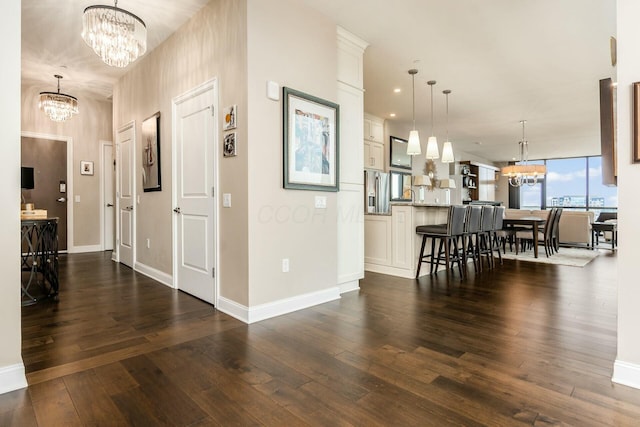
<point>353,285</point>
<point>391,271</point>
<point>12,378</point>
<point>233,309</point>
<point>160,276</point>
<point>84,249</point>
<point>276,308</point>
<point>626,374</point>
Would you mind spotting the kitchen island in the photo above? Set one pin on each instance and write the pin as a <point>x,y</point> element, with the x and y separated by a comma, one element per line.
<point>391,245</point>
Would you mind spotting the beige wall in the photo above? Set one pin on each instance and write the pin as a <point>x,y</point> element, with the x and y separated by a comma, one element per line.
<point>92,124</point>
<point>10,178</point>
<point>628,35</point>
<point>210,45</point>
<point>296,47</point>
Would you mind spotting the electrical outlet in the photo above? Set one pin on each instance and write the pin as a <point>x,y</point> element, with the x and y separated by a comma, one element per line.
<point>285,265</point>
<point>321,202</point>
<point>226,200</point>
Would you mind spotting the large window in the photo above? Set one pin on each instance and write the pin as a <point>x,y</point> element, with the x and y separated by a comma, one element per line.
<point>574,183</point>
<point>567,183</point>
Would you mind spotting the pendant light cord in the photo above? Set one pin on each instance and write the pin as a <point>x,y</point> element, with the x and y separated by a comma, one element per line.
<point>413,90</point>
<point>432,133</point>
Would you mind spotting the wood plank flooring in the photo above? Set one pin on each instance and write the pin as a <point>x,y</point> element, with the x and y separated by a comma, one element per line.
<point>525,344</point>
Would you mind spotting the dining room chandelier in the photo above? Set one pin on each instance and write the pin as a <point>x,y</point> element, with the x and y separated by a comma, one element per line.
<point>58,106</point>
<point>523,173</point>
<point>117,36</point>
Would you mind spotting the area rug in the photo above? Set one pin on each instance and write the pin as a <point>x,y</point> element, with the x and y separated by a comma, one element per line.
<point>574,257</point>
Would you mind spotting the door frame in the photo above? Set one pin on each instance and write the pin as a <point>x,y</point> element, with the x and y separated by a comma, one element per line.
<point>70,168</point>
<point>115,256</point>
<point>103,217</point>
<point>203,87</point>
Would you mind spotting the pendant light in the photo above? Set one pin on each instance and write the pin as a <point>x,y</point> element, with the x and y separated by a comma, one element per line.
<point>432,142</point>
<point>447,148</point>
<point>117,36</point>
<point>413,147</point>
<point>58,106</point>
<point>523,172</point>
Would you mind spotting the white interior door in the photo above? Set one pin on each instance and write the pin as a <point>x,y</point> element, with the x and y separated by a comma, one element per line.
<point>195,207</point>
<point>125,194</point>
<point>108,198</point>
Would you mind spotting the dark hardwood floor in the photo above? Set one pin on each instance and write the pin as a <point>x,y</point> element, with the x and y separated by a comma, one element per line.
<point>525,344</point>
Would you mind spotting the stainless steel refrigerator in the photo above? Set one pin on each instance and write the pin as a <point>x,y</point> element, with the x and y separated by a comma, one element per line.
<point>377,193</point>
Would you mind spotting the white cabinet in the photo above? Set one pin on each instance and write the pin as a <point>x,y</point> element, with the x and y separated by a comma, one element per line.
<point>486,183</point>
<point>402,237</point>
<point>377,231</point>
<point>373,131</point>
<point>373,155</point>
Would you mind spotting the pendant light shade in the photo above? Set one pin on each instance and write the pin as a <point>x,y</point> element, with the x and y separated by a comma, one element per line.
<point>447,153</point>
<point>432,142</point>
<point>117,36</point>
<point>58,106</point>
<point>447,148</point>
<point>413,147</point>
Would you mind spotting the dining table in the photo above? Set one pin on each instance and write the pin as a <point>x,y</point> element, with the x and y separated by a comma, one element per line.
<point>528,221</point>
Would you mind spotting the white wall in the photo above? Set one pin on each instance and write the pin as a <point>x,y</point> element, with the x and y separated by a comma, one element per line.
<point>11,368</point>
<point>212,44</point>
<point>297,47</point>
<point>627,367</point>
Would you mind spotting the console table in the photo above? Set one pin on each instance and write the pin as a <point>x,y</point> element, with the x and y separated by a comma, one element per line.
<point>39,264</point>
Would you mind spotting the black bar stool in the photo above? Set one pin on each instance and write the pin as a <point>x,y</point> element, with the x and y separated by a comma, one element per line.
<point>498,224</point>
<point>471,230</point>
<point>485,242</point>
<point>448,235</point>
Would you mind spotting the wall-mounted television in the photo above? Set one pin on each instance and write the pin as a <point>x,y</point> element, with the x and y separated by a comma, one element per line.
<point>26,178</point>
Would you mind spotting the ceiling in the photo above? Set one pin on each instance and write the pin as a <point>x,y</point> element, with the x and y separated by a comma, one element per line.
<point>504,61</point>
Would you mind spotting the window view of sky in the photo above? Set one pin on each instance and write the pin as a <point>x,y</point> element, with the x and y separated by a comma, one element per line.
<point>566,185</point>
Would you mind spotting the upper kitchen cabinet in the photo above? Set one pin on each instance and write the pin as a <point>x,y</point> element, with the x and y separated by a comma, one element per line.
<point>373,130</point>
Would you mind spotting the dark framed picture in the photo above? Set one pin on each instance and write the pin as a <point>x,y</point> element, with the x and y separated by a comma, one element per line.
<point>636,122</point>
<point>398,153</point>
<point>311,142</point>
<point>151,179</point>
<point>86,167</point>
<point>229,145</point>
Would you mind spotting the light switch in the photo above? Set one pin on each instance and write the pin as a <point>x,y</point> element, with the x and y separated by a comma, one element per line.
<point>226,200</point>
<point>321,202</point>
<point>273,91</point>
<point>77,198</point>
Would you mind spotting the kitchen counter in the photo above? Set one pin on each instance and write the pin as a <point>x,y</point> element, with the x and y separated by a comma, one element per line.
<point>391,243</point>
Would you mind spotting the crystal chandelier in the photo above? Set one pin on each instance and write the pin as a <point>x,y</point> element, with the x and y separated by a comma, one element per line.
<point>115,35</point>
<point>523,173</point>
<point>58,106</point>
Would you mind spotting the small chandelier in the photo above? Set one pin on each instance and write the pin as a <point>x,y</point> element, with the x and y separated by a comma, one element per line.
<point>523,173</point>
<point>413,147</point>
<point>447,147</point>
<point>58,106</point>
<point>432,142</point>
<point>117,36</point>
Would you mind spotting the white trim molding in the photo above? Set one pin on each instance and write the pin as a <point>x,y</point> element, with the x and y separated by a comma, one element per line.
<point>626,374</point>
<point>155,274</point>
<point>351,286</point>
<point>276,308</point>
<point>12,378</point>
<point>84,249</point>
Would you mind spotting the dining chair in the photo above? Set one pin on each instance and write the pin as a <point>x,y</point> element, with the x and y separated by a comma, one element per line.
<point>544,236</point>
